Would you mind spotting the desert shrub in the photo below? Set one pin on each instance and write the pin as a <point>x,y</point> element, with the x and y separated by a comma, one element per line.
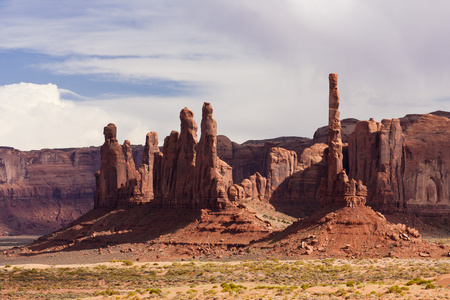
<point>210,293</point>
<point>395,289</point>
<point>192,292</point>
<point>350,283</point>
<point>340,293</point>
<point>430,286</point>
<point>108,292</point>
<point>127,263</point>
<point>418,281</point>
<point>232,288</point>
<point>154,291</point>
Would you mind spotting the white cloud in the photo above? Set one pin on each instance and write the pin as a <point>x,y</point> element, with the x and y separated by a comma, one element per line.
<point>34,116</point>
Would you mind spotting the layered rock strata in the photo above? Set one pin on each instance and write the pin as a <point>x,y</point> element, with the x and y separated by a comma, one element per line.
<point>42,190</point>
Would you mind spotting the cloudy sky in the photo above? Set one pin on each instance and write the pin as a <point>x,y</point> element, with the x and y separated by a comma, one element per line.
<point>68,68</point>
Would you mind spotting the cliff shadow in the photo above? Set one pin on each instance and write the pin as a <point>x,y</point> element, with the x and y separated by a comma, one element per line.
<point>299,194</point>
<point>101,228</point>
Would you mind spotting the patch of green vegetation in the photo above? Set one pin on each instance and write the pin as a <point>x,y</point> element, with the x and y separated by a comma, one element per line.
<point>350,283</point>
<point>108,292</point>
<point>430,286</point>
<point>395,289</point>
<point>418,281</point>
<point>154,291</point>
<point>232,288</point>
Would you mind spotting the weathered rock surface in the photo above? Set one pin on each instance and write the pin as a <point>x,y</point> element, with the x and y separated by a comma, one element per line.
<point>349,232</point>
<point>347,127</point>
<point>41,191</point>
<point>404,170</point>
<point>336,188</point>
<point>185,170</point>
<point>118,182</point>
<point>250,157</point>
<point>210,185</point>
<point>426,176</point>
<point>185,174</point>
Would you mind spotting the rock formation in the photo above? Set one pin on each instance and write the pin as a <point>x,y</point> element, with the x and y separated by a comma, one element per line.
<point>405,170</point>
<point>426,175</point>
<point>185,174</point>
<point>250,157</point>
<point>42,190</point>
<point>280,164</point>
<point>375,155</point>
<point>347,127</point>
<point>210,187</point>
<point>184,188</point>
<point>336,187</point>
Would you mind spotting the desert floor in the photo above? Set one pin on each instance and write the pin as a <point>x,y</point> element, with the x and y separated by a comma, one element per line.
<point>385,278</point>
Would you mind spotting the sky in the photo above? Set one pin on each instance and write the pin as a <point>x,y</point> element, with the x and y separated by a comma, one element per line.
<point>68,68</point>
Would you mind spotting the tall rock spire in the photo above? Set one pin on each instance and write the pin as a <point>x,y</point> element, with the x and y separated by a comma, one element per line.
<point>209,185</point>
<point>335,157</point>
<point>337,188</point>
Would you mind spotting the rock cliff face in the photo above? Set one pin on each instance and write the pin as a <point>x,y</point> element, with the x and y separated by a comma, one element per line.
<point>41,191</point>
<point>250,157</point>
<point>404,170</point>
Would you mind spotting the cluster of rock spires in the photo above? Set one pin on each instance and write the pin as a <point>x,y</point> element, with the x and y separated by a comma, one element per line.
<point>190,175</point>
<point>186,173</point>
<point>405,164</point>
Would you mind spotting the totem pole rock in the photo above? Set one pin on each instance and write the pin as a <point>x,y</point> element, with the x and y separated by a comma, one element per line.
<point>336,187</point>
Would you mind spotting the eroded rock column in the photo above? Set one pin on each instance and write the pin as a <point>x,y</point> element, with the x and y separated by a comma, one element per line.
<point>337,188</point>
<point>113,170</point>
<point>334,157</point>
<point>184,188</point>
<point>209,185</point>
<point>146,169</point>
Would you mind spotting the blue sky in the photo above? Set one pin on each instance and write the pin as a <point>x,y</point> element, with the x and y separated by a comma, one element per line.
<point>68,68</point>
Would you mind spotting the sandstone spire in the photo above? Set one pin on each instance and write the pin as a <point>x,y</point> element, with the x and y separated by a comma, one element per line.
<point>146,169</point>
<point>335,157</point>
<point>113,170</point>
<point>186,157</point>
<point>209,183</point>
<point>337,188</point>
